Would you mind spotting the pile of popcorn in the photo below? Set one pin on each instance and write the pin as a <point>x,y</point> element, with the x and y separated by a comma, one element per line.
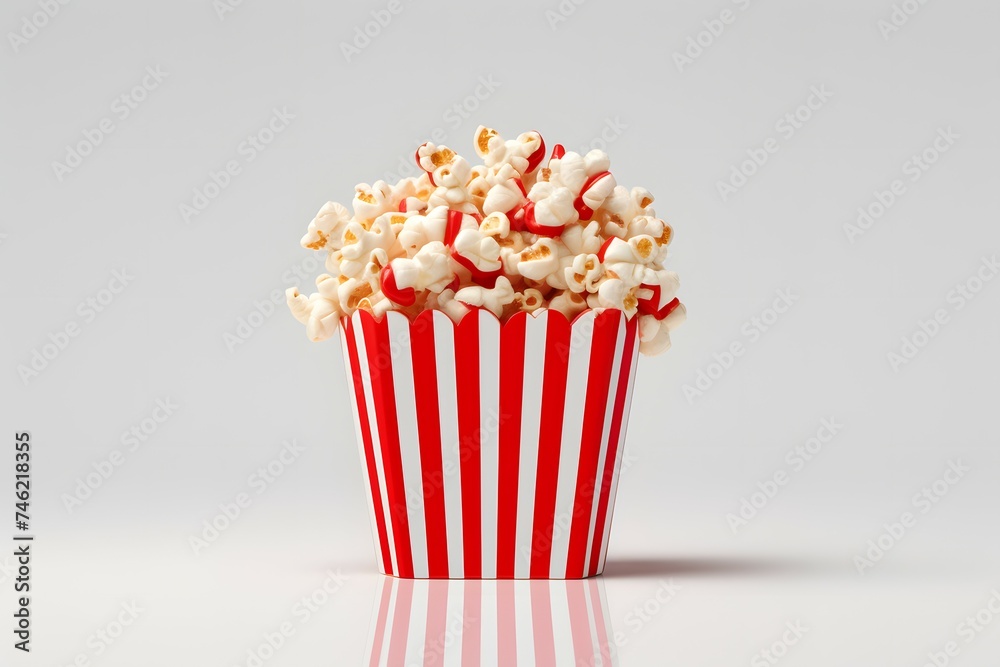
<point>517,233</point>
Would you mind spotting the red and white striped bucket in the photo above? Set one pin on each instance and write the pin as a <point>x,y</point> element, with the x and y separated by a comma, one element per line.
<point>471,623</point>
<point>491,451</point>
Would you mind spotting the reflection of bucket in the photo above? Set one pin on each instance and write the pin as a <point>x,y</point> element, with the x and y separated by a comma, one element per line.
<point>490,623</point>
<point>491,451</point>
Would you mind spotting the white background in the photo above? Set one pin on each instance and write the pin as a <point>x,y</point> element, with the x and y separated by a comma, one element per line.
<point>572,72</point>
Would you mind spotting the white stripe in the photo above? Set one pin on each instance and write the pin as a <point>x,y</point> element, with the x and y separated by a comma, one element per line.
<point>523,631</point>
<point>375,651</point>
<point>409,442</point>
<point>444,351</point>
<point>605,433</point>
<point>618,459</point>
<point>454,625</point>
<point>578,371</point>
<point>418,620</point>
<point>390,622</point>
<point>562,630</point>
<point>369,501</point>
<point>531,408</point>
<point>373,427</point>
<point>595,639</point>
<point>489,429</point>
<point>601,603</point>
<point>488,637</point>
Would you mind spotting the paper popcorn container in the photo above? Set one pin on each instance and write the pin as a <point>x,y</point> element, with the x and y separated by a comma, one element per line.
<point>488,450</point>
<point>510,623</point>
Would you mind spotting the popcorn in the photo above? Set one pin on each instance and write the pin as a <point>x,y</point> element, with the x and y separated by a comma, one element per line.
<point>584,273</point>
<point>327,228</point>
<point>583,238</point>
<point>524,154</point>
<point>371,201</point>
<point>492,300</point>
<point>654,330</point>
<point>655,295</point>
<point>538,261</point>
<point>518,233</point>
<point>529,300</point>
<point>362,245</point>
<point>614,293</point>
<point>506,194</point>
<point>630,260</point>
<point>479,254</point>
<point>654,337</point>
<point>621,207</point>
<point>428,269</point>
<point>445,302</point>
<point>569,304</point>
<point>320,315</point>
<point>549,211</point>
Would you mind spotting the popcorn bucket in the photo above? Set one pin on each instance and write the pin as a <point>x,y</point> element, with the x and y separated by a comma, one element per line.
<point>489,450</point>
<point>425,623</point>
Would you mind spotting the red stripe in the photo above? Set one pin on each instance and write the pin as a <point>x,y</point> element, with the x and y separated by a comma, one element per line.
<point>536,158</point>
<point>469,454</point>
<point>541,623</point>
<point>400,621</point>
<point>579,623</point>
<point>602,354</point>
<point>452,227</point>
<point>603,641</point>
<point>429,432</point>
<point>616,426</point>
<point>437,623</point>
<point>557,341</point>
<point>586,213</point>
<point>506,625</point>
<point>366,436</point>
<point>379,348</point>
<point>383,617</point>
<point>509,440</point>
<point>472,619</point>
